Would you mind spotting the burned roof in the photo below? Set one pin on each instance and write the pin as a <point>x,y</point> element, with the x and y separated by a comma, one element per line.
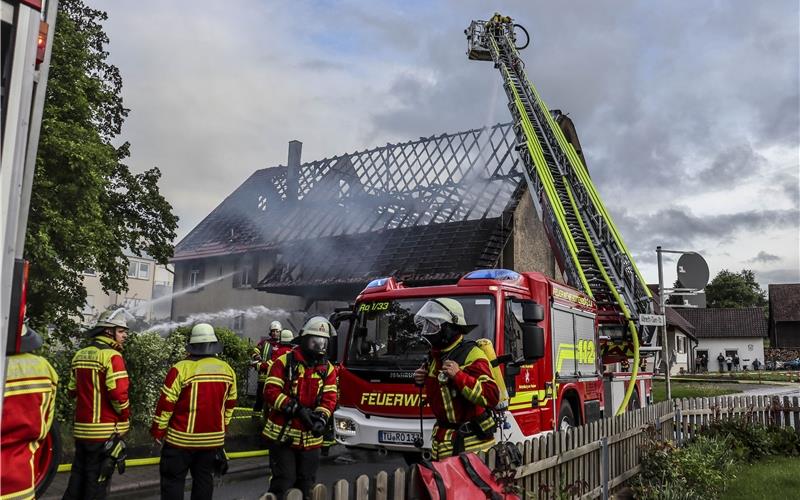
<point>726,322</point>
<point>433,207</point>
<point>784,302</point>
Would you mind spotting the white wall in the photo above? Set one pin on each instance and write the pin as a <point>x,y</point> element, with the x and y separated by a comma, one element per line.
<point>749,348</point>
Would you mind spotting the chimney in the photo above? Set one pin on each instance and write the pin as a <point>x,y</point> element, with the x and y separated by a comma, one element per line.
<point>293,171</point>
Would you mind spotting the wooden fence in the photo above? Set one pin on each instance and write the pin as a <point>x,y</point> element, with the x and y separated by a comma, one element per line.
<point>588,461</point>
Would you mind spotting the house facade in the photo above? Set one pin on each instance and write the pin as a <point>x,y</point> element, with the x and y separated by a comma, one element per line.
<point>728,331</point>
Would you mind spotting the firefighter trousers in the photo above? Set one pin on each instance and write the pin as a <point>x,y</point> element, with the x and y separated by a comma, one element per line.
<point>259,406</point>
<point>176,462</point>
<point>292,468</point>
<point>83,483</point>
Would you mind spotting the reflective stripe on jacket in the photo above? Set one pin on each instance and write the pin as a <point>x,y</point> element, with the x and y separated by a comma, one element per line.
<point>100,381</point>
<point>265,352</point>
<point>28,407</point>
<point>461,399</point>
<point>196,404</point>
<point>308,385</point>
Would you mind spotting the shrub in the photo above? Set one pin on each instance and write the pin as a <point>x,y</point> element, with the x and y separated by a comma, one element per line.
<point>698,470</point>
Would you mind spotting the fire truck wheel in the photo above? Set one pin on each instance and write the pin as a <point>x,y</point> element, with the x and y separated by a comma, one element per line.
<point>566,418</point>
<point>634,403</point>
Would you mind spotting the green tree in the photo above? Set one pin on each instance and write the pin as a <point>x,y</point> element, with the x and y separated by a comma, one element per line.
<point>729,289</point>
<point>87,206</point>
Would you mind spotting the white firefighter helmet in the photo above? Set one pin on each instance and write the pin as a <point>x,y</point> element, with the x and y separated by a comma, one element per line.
<point>318,326</point>
<point>286,337</point>
<point>275,325</point>
<point>438,311</point>
<point>203,340</point>
<point>109,319</point>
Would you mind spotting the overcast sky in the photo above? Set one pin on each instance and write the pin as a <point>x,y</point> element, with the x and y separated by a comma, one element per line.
<point>688,112</point>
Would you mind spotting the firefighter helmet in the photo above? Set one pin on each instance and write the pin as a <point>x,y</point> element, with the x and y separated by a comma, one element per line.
<point>436,312</point>
<point>109,319</point>
<point>318,326</point>
<point>286,336</point>
<point>203,341</point>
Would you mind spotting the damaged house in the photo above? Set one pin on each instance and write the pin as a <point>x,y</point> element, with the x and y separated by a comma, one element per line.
<point>307,237</point>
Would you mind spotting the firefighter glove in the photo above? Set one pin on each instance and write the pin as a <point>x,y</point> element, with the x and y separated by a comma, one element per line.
<point>291,407</point>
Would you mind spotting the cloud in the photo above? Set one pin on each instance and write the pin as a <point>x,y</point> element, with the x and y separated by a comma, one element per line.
<point>764,257</point>
<point>790,275</point>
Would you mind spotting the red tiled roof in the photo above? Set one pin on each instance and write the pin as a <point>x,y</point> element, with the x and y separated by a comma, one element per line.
<point>726,322</point>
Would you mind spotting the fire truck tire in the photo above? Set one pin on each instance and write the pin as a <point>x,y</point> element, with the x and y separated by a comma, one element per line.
<point>634,403</point>
<point>566,418</point>
<point>48,457</point>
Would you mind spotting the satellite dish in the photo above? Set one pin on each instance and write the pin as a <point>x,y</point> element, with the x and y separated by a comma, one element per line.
<point>692,271</point>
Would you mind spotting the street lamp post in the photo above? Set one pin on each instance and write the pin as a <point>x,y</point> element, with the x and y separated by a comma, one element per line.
<point>664,340</point>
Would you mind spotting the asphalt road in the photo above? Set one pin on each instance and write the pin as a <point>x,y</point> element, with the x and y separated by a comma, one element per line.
<point>341,464</point>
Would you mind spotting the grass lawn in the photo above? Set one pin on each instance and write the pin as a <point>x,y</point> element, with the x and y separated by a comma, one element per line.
<point>775,477</point>
<point>691,390</point>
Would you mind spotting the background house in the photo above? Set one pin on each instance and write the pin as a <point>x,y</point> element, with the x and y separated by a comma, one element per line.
<point>146,280</point>
<point>784,315</point>
<point>728,331</point>
<point>301,239</point>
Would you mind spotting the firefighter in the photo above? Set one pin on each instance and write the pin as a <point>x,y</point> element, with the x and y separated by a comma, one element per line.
<point>301,394</point>
<point>195,408</point>
<point>261,355</point>
<point>458,381</point>
<point>99,380</point>
<point>28,406</point>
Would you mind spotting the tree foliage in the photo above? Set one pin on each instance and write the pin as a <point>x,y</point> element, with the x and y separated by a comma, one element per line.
<point>729,289</point>
<point>86,205</point>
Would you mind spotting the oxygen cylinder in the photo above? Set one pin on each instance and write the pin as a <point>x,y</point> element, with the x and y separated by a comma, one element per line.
<point>488,349</point>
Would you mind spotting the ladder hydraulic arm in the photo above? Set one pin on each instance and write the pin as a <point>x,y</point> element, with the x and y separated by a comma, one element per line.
<point>585,241</point>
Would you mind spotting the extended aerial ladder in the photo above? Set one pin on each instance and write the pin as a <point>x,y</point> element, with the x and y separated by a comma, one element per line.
<point>585,241</point>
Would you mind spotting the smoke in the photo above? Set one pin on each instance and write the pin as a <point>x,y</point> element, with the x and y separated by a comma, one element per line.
<point>249,313</point>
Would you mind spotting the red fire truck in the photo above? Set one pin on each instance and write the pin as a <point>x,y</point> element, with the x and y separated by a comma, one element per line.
<point>546,332</point>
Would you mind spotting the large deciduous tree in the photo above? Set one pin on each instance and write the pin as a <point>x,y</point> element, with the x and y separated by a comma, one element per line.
<point>729,289</point>
<point>87,206</point>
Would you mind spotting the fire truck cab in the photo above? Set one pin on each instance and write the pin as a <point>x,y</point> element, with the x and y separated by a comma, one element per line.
<point>545,335</point>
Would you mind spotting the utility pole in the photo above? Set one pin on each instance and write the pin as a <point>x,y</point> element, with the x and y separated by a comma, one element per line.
<point>664,339</point>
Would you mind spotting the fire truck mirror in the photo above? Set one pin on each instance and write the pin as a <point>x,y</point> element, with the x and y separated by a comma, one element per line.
<point>532,342</point>
<point>532,312</point>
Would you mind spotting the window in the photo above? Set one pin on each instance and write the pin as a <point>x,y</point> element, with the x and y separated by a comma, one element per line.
<point>238,323</point>
<point>246,272</point>
<point>144,270</point>
<point>194,277</point>
<point>132,269</point>
<point>139,270</point>
<point>680,344</point>
<point>88,306</point>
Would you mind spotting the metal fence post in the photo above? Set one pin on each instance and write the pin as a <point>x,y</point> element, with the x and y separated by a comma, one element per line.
<point>604,467</point>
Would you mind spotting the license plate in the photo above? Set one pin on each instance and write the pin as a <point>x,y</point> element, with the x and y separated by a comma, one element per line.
<point>397,437</point>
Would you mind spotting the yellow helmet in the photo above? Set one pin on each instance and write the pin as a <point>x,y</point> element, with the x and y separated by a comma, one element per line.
<point>203,340</point>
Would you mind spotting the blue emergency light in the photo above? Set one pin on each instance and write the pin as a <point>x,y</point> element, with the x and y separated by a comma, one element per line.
<point>377,283</point>
<point>493,274</point>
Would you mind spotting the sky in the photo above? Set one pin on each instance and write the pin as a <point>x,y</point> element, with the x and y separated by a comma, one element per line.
<point>688,112</point>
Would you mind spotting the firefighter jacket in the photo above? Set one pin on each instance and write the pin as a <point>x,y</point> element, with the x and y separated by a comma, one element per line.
<point>28,406</point>
<point>265,353</point>
<point>466,399</point>
<point>277,351</point>
<point>312,386</point>
<point>196,404</point>
<point>100,382</point>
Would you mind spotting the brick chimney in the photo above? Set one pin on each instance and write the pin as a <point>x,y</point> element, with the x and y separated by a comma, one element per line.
<point>293,171</point>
